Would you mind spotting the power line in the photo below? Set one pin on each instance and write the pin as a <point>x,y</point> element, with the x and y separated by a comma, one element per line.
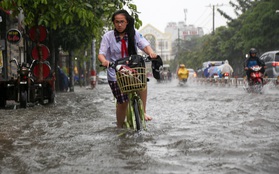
<point>198,20</point>
<point>213,21</point>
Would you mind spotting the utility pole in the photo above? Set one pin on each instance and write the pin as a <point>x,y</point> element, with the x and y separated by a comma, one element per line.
<point>178,39</point>
<point>185,14</point>
<point>213,20</point>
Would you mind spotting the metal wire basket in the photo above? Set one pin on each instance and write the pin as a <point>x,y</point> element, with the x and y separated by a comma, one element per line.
<point>131,83</point>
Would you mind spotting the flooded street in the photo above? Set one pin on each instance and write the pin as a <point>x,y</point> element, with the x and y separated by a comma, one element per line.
<point>195,129</point>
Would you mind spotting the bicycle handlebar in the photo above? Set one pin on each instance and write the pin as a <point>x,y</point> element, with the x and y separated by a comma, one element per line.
<point>112,64</point>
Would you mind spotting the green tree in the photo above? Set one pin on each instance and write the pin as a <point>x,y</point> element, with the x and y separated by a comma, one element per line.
<point>71,24</point>
<point>256,25</point>
<point>83,18</point>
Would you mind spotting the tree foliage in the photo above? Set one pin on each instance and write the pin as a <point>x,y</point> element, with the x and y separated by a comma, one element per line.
<point>256,25</point>
<point>74,22</point>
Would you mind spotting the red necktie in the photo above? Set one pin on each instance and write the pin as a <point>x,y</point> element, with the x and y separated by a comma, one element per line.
<point>124,51</point>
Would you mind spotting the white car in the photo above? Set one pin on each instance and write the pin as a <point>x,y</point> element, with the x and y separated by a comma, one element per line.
<point>192,73</point>
<point>102,77</point>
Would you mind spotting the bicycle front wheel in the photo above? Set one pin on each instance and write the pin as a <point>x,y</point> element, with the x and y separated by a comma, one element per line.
<point>138,117</point>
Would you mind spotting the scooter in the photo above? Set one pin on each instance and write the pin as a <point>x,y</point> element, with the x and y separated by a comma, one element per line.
<point>215,77</point>
<point>256,75</point>
<point>255,84</point>
<point>226,78</point>
<point>182,82</point>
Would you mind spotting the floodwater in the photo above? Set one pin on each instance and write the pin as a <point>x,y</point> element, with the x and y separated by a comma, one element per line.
<point>195,129</point>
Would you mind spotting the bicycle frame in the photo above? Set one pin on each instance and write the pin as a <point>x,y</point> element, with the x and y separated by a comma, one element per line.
<point>135,113</point>
<point>131,80</point>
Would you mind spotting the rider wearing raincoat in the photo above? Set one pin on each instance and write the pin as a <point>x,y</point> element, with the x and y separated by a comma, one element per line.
<point>182,73</point>
<point>226,68</point>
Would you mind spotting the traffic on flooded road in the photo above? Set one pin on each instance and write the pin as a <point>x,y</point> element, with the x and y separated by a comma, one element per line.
<point>107,89</point>
<point>195,129</point>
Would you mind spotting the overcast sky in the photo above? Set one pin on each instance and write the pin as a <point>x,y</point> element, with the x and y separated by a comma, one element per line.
<point>199,12</point>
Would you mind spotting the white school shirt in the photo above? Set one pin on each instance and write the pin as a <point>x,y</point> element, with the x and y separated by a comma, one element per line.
<point>112,49</point>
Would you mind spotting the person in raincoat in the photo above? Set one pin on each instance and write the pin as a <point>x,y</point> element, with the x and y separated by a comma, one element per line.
<point>226,68</point>
<point>214,70</point>
<point>182,73</point>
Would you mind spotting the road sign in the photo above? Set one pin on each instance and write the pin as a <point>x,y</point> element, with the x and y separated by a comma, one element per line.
<point>14,36</point>
<point>38,33</point>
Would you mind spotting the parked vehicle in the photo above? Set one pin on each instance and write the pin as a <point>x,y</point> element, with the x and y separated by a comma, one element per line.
<point>27,87</point>
<point>43,89</point>
<point>271,60</point>
<point>20,87</point>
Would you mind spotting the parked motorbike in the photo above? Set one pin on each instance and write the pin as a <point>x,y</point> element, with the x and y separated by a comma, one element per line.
<point>19,89</point>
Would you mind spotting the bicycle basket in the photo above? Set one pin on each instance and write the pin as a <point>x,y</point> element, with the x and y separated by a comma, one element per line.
<point>130,83</point>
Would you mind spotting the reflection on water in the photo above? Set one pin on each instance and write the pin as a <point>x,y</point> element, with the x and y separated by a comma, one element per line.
<point>195,129</point>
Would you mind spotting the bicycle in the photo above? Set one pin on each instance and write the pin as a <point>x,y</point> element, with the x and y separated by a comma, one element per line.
<point>131,78</point>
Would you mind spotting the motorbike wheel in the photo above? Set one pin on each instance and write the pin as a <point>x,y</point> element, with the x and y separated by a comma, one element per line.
<point>51,98</point>
<point>2,102</point>
<point>23,99</point>
<point>258,87</point>
<point>2,96</point>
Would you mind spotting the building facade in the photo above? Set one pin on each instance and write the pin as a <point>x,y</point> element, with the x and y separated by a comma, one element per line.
<point>182,31</point>
<point>162,42</point>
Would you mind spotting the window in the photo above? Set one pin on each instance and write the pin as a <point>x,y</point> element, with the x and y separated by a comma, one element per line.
<point>161,44</point>
<point>151,39</point>
<point>263,57</point>
<point>268,58</point>
<point>276,57</point>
